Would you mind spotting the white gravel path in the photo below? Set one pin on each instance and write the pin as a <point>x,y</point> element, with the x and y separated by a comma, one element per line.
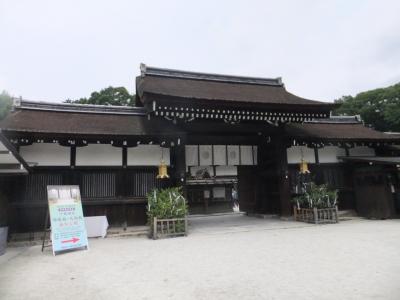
<point>234,258</point>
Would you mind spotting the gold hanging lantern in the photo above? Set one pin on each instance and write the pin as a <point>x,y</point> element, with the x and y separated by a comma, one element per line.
<point>162,170</point>
<point>304,167</point>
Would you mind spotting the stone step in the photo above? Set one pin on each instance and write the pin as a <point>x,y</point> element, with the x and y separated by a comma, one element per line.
<point>129,232</point>
<point>35,238</point>
<point>347,213</point>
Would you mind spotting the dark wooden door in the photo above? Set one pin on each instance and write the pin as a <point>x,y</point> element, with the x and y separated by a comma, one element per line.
<point>247,181</point>
<point>373,195</point>
<point>268,191</point>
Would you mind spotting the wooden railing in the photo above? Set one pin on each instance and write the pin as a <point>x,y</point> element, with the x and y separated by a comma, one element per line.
<point>162,228</point>
<point>316,215</point>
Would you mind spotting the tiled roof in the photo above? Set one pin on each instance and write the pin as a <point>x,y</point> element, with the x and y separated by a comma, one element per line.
<point>202,86</point>
<point>337,131</point>
<point>83,120</point>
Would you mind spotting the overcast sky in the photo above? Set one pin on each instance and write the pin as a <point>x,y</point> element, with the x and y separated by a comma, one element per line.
<point>54,50</point>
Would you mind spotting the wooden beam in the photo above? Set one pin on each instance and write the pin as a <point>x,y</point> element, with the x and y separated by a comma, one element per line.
<point>283,173</point>
<point>212,156</point>
<point>252,154</point>
<point>198,155</point>
<point>124,157</point>
<point>73,157</point>
<point>316,155</point>
<point>240,155</point>
<point>14,151</point>
<point>226,155</point>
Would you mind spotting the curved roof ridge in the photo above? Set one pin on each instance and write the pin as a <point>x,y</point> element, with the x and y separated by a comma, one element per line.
<point>79,108</point>
<point>192,89</point>
<point>173,73</point>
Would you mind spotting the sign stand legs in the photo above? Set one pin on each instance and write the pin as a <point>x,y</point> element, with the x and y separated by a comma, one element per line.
<point>46,229</point>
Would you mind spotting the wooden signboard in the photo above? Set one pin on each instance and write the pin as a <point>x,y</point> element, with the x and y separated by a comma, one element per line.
<point>68,231</point>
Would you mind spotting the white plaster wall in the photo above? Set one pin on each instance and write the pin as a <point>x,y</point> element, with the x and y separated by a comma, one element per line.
<point>233,155</point>
<point>246,153</point>
<point>193,170</point>
<point>205,155</point>
<point>329,154</point>
<point>255,154</point>
<point>191,155</point>
<point>294,154</point>
<point>8,159</point>
<point>46,154</point>
<point>98,155</point>
<point>219,170</point>
<point>220,155</point>
<point>148,155</point>
<point>2,147</point>
<point>226,171</point>
<point>361,151</point>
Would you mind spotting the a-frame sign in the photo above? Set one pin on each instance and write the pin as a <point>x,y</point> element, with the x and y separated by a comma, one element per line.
<point>68,230</point>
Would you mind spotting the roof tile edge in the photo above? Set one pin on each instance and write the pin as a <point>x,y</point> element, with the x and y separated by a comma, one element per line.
<point>173,73</point>
<point>78,108</point>
<point>338,120</point>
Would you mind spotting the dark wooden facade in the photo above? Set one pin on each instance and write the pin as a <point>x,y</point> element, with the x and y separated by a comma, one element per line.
<point>176,109</point>
<point>119,193</point>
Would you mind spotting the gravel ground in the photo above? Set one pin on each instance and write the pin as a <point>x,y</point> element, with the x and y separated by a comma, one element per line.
<point>226,257</point>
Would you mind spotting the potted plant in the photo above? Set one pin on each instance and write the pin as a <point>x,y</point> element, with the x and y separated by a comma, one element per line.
<point>318,204</point>
<point>167,212</point>
<point>3,223</point>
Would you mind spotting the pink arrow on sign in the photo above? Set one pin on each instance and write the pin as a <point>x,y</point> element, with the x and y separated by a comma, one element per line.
<point>73,240</point>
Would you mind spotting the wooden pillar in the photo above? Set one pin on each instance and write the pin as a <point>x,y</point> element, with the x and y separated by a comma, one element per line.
<point>124,157</point>
<point>263,184</point>
<point>283,173</point>
<point>178,163</point>
<point>319,175</point>
<point>73,157</point>
<point>316,155</point>
<point>272,184</point>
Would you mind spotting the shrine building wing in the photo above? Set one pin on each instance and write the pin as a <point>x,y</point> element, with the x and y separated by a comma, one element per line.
<point>80,124</point>
<point>338,131</point>
<point>212,134</point>
<point>192,95</point>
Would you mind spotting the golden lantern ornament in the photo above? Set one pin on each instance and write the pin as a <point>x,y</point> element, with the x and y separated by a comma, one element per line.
<point>162,170</point>
<point>304,167</point>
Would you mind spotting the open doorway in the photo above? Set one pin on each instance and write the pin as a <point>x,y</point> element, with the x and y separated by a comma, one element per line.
<point>212,176</point>
<point>258,190</point>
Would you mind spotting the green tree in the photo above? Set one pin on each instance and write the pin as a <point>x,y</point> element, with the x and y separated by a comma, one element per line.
<point>379,108</point>
<point>5,104</point>
<point>109,96</point>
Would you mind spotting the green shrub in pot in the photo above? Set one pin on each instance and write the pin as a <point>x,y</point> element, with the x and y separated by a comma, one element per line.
<point>168,203</point>
<point>319,196</point>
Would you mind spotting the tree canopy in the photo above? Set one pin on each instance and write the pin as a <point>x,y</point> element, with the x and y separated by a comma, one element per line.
<point>109,96</point>
<point>5,104</point>
<point>379,108</point>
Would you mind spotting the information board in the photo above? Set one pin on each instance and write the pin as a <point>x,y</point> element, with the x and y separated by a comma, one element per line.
<point>68,231</point>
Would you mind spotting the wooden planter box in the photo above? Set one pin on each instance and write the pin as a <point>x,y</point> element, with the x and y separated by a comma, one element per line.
<point>162,228</point>
<point>315,215</point>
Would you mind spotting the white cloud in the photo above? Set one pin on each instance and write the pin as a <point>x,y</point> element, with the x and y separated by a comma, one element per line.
<point>54,50</point>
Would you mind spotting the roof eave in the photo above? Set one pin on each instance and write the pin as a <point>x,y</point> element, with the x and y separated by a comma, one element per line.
<point>313,104</point>
<point>14,151</point>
